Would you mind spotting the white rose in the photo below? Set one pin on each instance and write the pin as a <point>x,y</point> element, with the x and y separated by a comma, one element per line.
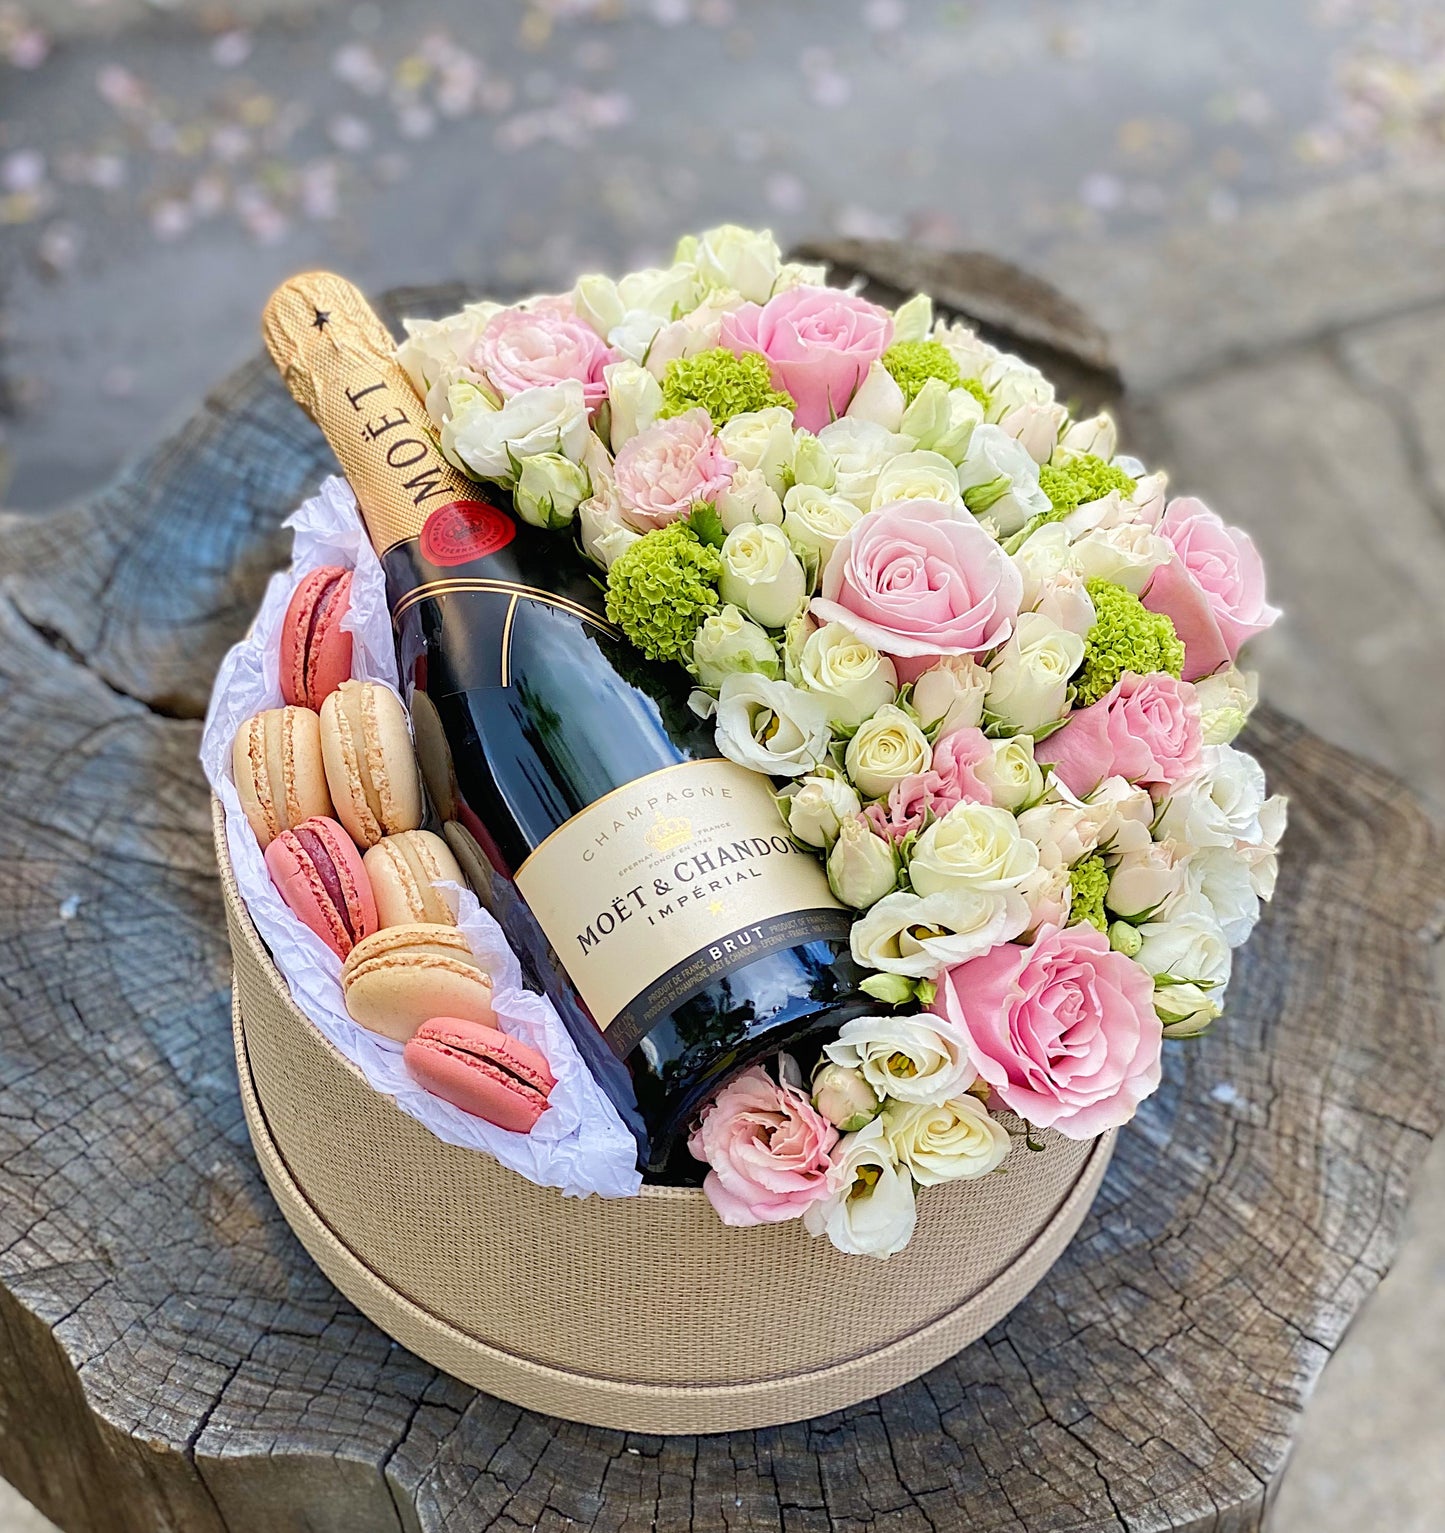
<point>1144,882</point>
<point>761,440</point>
<point>1010,773</point>
<point>1189,957</point>
<point>815,807</point>
<point>862,866</point>
<point>859,449</point>
<point>848,674</point>
<point>1127,555</point>
<point>1220,806</point>
<point>1065,600</point>
<point>549,489</point>
<point>886,748</point>
<point>769,726</point>
<point>947,1143</point>
<point>973,354</point>
<point>910,1059</point>
<point>1126,815</point>
<point>748,498</point>
<point>922,935</point>
<point>598,302</point>
<point>917,476</point>
<point>913,320</point>
<point>1064,833</point>
<point>1030,675</point>
<point>870,1210</point>
<point>1097,436</point>
<point>816,522</point>
<point>999,480</point>
<point>762,575</point>
<point>550,419</point>
<point>812,462</point>
<point>1226,701</point>
<point>950,695</point>
<point>634,398</point>
<point>727,642</point>
<point>879,399</point>
<point>973,846</point>
<point>1036,428</point>
<point>745,259</point>
<point>1012,382</point>
<point>1041,558</point>
<point>1049,893</point>
<point>436,353</point>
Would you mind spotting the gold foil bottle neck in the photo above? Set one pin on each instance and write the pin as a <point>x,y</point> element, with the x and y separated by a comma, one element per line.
<point>338,360</point>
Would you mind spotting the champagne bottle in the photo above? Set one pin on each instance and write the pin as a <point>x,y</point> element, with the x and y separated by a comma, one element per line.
<point>647,883</point>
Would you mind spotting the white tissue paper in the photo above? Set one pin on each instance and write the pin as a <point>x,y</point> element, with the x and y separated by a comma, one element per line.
<point>580,1144</point>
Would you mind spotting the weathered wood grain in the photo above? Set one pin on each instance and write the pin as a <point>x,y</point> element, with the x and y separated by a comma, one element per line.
<point>169,1357</point>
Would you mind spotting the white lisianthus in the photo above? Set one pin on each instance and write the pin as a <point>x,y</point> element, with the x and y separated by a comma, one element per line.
<point>1126,815</point>
<point>1036,428</point>
<point>733,257</point>
<point>1012,382</point>
<point>999,480</point>
<point>1224,880</point>
<point>1097,436</point>
<point>1189,957</point>
<point>1065,833</point>
<point>769,726</point>
<point>922,935</point>
<point>844,1098</point>
<point>910,1059</point>
<point>913,320</point>
<point>551,419</point>
<point>1030,675</point>
<point>812,462</point>
<point>1220,806</point>
<point>761,440</point>
<point>762,575</point>
<point>814,807</point>
<point>549,489</point>
<point>973,354</point>
<point>816,522</point>
<point>1011,774</point>
<point>727,642</point>
<point>870,1209</point>
<point>950,694</point>
<point>634,398</point>
<point>973,846</point>
<point>1226,701</point>
<point>879,399</point>
<point>1127,555</point>
<point>948,1142</point>
<point>848,674</point>
<point>888,747</point>
<point>748,498</point>
<point>862,866</point>
<point>859,449</point>
<point>1143,883</point>
<point>941,419</point>
<point>917,476</point>
<point>436,353</point>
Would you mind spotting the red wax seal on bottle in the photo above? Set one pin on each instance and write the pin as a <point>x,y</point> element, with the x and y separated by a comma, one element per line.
<point>463,530</point>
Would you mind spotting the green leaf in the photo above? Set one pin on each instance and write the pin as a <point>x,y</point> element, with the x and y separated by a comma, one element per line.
<point>706,525</point>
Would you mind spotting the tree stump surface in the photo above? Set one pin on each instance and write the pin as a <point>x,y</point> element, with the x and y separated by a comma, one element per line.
<point>170,1359</point>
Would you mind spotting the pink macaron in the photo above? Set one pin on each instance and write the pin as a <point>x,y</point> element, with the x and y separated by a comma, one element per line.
<point>315,649</point>
<point>319,873</point>
<point>482,1071</point>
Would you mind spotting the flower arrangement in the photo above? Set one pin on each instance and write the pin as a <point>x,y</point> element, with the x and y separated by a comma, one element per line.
<point>991,670</point>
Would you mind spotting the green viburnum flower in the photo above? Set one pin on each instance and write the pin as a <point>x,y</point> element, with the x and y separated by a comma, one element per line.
<point>721,383</point>
<point>1126,636</point>
<point>660,590</point>
<point>1080,480</point>
<point>975,387</point>
<point>913,363</point>
<point>1089,881</point>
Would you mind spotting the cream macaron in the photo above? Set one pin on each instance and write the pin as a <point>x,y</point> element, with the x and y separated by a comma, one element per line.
<point>279,770</point>
<point>402,869</point>
<point>370,765</point>
<point>401,976</point>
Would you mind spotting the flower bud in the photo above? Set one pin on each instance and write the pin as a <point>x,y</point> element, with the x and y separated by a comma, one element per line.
<point>913,320</point>
<point>748,498</point>
<point>1144,881</point>
<point>727,642</point>
<point>891,989</point>
<point>549,490</point>
<point>634,397</point>
<point>1125,939</point>
<point>879,399</point>
<point>844,1098</point>
<point>814,808</point>
<point>812,462</point>
<point>862,867</point>
<point>1097,437</point>
<point>950,695</point>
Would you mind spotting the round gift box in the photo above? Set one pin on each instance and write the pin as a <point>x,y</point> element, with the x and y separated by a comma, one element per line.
<point>643,1314</point>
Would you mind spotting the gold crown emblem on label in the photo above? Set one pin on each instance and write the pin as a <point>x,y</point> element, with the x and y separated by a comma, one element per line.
<point>665,835</point>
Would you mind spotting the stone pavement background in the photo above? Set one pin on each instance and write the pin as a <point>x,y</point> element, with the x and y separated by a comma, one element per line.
<point>1248,194</point>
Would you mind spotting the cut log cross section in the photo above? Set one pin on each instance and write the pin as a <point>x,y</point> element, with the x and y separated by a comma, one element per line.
<point>171,1359</point>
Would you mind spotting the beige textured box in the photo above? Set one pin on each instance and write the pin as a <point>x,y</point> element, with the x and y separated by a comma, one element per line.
<point>644,1314</point>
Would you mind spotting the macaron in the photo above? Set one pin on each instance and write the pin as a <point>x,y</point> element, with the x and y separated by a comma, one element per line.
<point>434,754</point>
<point>315,649</point>
<point>277,762</point>
<point>402,869</point>
<point>399,977</point>
<point>319,873</point>
<point>370,765</point>
<point>482,1071</point>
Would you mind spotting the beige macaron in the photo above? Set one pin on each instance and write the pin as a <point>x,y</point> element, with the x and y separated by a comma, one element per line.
<point>402,976</point>
<point>402,869</point>
<point>276,760</point>
<point>370,765</point>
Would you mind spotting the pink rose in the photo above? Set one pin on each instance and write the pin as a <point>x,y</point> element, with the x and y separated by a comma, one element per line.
<point>662,470</point>
<point>918,578</point>
<point>948,782</point>
<point>1212,590</point>
<point>541,344</point>
<point>768,1149</point>
<point>1146,729</point>
<point>820,344</point>
<point>1064,1031</point>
